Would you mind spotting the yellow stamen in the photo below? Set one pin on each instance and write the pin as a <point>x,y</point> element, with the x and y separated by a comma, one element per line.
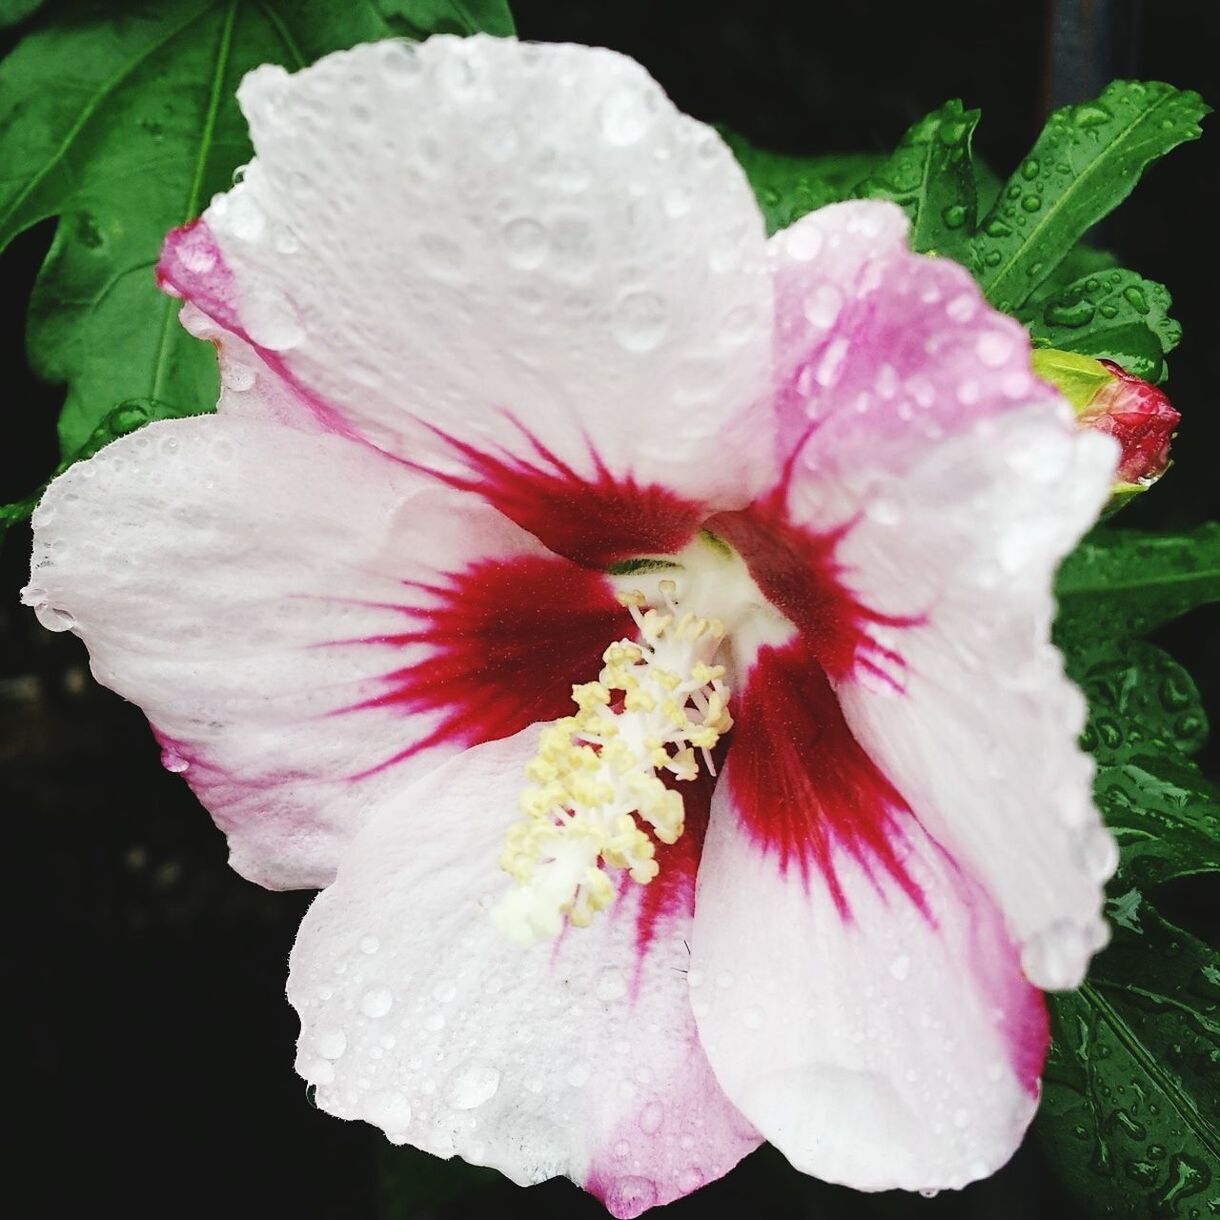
<point>597,802</point>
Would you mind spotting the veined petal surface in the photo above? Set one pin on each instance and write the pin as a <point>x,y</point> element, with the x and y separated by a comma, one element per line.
<point>577,1057</point>
<point>440,243</point>
<point>879,1032</point>
<point>307,624</point>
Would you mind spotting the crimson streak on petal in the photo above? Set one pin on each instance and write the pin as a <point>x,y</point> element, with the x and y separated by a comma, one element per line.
<point>802,785</point>
<point>797,570</point>
<point>505,640</point>
<point>594,520</point>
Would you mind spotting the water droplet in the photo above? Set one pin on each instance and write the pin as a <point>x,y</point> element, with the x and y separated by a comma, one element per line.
<point>630,1195</point>
<point>196,252</point>
<point>579,1075</point>
<point>994,348</point>
<point>677,201</point>
<point>376,1002</point>
<point>900,967</point>
<point>271,320</point>
<point>173,761</point>
<point>691,1178</point>
<point>53,619</point>
<point>1098,853</point>
<point>962,307</point>
<point>1069,313</point>
<point>1030,169</point>
<point>823,304</point>
<point>997,228</point>
<point>1091,114</point>
<point>237,376</point>
<point>389,1110</point>
<point>1054,959</point>
<point>752,1018</point>
<point>611,985</point>
<point>954,216</point>
<point>244,219</point>
<point>1031,203</point>
<point>457,74</point>
<point>830,365</point>
<point>1136,299</point>
<point>525,242</point>
<point>472,1084</point>
<point>651,1117</point>
<point>285,239</point>
<point>331,1043</point>
<point>399,61</point>
<point>640,321</point>
<point>739,324</point>
<point>804,242</point>
<point>626,116</point>
<point>369,944</point>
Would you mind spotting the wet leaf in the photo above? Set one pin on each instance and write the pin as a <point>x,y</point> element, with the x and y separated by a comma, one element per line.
<point>1129,1109</point>
<point>931,176</point>
<point>1126,582</point>
<point>1115,314</point>
<point>789,187</point>
<point>1086,161</point>
<point>122,122</point>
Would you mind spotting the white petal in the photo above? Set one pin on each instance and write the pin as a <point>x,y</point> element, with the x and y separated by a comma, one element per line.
<point>439,237</point>
<point>885,1048</point>
<point>980,731</point>
<point>419,1016</point>
<point>245,583</point>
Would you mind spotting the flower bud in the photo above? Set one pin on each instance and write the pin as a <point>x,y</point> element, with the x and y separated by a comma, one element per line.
<point>1106,398</point>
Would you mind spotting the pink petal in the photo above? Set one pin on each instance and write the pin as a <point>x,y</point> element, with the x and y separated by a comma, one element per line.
<point>577,1058</point>
<point>434,242</point>
<point>870,1018</point>
<point>881,352</point>
<point>307,624</point>
<point>951,484</point>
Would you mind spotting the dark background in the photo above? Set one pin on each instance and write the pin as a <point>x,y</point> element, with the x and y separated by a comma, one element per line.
<point>153,1048</point>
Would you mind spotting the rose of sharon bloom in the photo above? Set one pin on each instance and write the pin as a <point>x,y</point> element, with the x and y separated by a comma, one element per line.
<point>518,398</point>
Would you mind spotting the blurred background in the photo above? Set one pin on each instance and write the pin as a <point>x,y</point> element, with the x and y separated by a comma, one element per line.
<point>153,1048</point>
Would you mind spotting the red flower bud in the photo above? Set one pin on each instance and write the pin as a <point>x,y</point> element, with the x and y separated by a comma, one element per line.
<point>1140,418</point>
<point>1105,397</point>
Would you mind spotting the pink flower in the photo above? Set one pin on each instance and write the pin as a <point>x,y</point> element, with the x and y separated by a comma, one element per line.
<point>511,375</point>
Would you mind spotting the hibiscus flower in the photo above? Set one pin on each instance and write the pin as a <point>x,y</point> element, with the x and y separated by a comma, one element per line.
<point>639,627</point>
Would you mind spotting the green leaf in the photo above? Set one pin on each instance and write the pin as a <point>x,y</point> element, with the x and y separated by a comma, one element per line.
<point>1145,719</point>
<point>1080,262</point>
<point>1125,582</point>
<point>13,11</point>
<point>420,18</point>
<point>1086,161</point>
<point>931,176</point>
<point>1129,1112</point>
<point>122,122</point>
<point>1116,315</point>
<point>788,187</point>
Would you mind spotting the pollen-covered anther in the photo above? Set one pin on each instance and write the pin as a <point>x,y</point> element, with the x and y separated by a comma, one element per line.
<point>598,801</point>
